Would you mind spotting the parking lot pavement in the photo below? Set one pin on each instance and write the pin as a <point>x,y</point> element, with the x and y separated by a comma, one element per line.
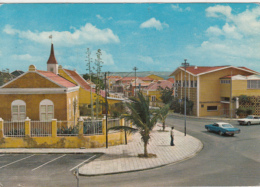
<point>24,169</point>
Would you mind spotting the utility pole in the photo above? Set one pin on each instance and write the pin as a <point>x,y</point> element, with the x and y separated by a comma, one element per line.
<point>185,64</point>
<point>106,108</point>
<point>135,68</point>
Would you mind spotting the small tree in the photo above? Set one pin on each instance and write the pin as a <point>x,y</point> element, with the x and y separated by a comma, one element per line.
<point>162,114</point>
<point>141,117</point>
<point>166,95</point>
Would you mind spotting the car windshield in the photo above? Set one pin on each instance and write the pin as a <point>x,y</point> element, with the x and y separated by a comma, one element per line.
<point>227,126</point>
<point>249,117</point>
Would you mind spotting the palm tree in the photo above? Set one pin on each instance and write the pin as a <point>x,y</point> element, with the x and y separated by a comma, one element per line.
<point>162,114</point>
<point>141,117</point>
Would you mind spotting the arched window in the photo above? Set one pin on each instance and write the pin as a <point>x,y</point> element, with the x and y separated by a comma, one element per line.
<point>46,110</point>
<point>18,110</point>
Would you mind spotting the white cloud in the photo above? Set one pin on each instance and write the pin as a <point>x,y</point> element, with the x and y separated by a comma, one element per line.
<point>25,57</point>
<point>103,19</point>
<point>85,34</point>
<point>107,58</point>
<point>217,10</point>
<point>179,9</point>
<point>153,23</point>
<point>99,17</point>
<point>236,42</point>
<point>146,59</point>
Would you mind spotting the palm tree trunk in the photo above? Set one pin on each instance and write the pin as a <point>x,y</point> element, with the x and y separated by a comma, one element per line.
<point>163,125</point>
<point>145,149</point>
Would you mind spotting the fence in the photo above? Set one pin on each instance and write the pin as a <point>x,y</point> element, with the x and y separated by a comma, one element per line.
<point>67,128</point>
<point>14,128</point>
<point>92,127</point>
<point>113,123</point>
<point>41,128</point>
<point>50,134</point>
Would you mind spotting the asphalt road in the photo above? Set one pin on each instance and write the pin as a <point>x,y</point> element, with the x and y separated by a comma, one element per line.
<point>224,161</point>
<point>32,170</point>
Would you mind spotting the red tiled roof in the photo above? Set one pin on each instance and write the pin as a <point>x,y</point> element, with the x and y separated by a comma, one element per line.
<point>202,69</point>
<point>114,77</point>
<point>249,70</point>
<point>57,79</point>
<point>171,80</point>
<point>80,80</point>
<point>161,83</point>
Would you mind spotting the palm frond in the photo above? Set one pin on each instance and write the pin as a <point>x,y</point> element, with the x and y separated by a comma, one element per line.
<point>130,130</point>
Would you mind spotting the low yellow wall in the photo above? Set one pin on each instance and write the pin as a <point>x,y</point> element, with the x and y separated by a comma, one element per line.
<point>63,141</point>
<point>55,141</point>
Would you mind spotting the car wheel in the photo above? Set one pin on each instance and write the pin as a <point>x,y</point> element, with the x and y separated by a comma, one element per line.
<point>220,133</point>
<point>248,123</point>
<point>232,134</point>
<point>208,129</point>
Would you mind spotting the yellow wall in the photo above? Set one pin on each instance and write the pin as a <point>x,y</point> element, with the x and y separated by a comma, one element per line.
<point>155,77</point>
<point>84,95</point>
<point>32,80</point>
<point>239,87</point>
<point>55,141</point>
<point>33,105</point>
<point>225,89</point>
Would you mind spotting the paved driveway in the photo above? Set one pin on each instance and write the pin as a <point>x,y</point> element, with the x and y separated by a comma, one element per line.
<point>35,169</point>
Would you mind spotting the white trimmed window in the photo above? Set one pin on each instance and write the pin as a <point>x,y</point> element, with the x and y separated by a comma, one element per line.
<point>46,110</point>
<point>153,98</point>
<point>18,110</point>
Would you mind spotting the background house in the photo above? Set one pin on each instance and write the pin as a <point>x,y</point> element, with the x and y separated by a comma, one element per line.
<point>205,87</point>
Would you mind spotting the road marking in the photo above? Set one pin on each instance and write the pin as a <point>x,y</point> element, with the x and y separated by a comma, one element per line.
<point>82,163</point>
<point>16,161</point>
<point>48,162</point>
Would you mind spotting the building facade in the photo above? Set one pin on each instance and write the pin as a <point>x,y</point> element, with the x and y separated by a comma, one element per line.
<point>204,87</point>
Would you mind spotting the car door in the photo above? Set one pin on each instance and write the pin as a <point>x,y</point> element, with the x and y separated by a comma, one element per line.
<point>255,120</point>
<point>215,127</point>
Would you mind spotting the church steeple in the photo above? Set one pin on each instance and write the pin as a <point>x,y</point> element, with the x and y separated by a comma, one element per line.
<point>52,64</point>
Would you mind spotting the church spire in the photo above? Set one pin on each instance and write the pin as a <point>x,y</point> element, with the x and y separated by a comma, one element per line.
<point>52,59</point>
<point>52,64</point>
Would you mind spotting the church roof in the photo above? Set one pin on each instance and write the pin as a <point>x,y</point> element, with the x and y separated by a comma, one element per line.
<point>57,79</point>
<point>52,59</point>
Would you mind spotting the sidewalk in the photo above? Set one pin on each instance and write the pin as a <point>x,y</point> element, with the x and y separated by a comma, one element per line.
<point>124,158</point>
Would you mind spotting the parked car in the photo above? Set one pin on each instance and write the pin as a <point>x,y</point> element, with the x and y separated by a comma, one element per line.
<point>222,128</point>
<point>251,119</point>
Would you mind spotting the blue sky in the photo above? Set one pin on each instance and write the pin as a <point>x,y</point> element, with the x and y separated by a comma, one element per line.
<point>152,37</point>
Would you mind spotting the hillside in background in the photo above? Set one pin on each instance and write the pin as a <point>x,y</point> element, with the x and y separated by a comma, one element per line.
<point>163,74</point>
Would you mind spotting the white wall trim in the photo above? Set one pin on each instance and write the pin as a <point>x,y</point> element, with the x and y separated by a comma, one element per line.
<point>38,90</point>
<point>198,96</point>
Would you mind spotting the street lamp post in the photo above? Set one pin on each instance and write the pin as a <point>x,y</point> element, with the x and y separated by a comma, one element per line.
<point>106,108</point>
<point>185,64</point>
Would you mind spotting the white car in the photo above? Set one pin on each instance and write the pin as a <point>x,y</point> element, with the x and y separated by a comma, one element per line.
<point>251,119</point>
